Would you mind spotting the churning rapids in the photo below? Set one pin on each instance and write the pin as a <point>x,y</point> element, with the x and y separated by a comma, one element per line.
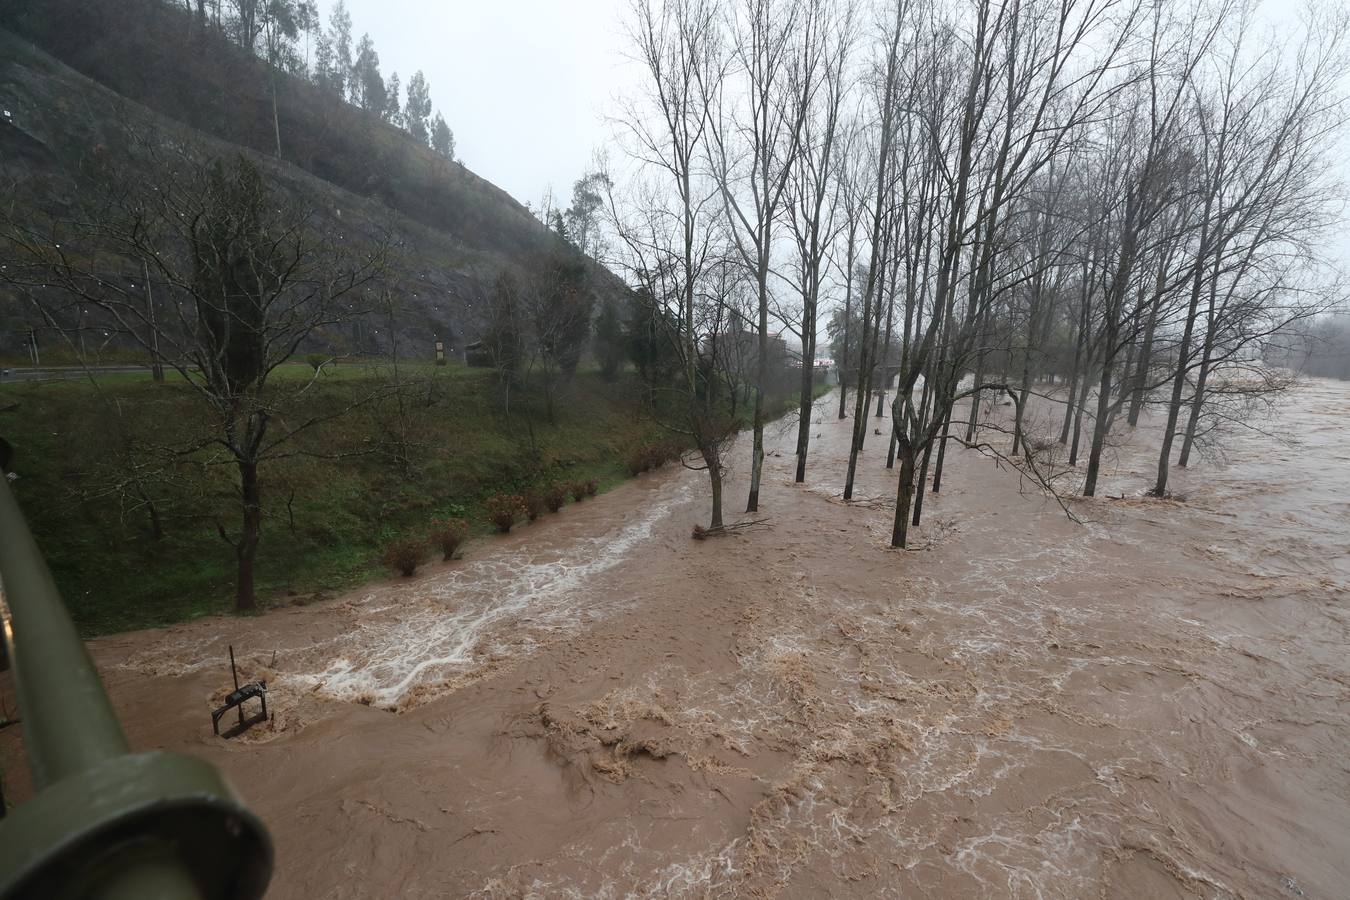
<point>1151,702</point>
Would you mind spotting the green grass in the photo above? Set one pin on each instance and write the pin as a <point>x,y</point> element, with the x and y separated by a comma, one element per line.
<point>330,505</point>
<point>328,510</point>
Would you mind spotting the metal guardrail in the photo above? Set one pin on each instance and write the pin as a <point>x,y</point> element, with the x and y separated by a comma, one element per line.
<point>104,822</point>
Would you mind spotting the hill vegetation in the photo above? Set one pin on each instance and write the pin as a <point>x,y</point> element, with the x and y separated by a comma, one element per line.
<point>157,55</point>
<point>79,77</point>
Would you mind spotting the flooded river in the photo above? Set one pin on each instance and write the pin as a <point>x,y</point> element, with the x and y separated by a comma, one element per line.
<point>1151,701</point>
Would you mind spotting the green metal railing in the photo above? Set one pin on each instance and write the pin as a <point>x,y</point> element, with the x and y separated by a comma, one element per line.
<point>103,822</point>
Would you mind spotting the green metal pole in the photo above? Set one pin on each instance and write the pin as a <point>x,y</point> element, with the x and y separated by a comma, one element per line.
<point>68,724</point>
<point>104,823</point>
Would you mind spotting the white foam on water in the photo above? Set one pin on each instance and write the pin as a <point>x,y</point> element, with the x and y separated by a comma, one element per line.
<point>489,607</point>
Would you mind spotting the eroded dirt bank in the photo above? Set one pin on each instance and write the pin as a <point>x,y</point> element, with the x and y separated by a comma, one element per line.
<point>1149,704</point>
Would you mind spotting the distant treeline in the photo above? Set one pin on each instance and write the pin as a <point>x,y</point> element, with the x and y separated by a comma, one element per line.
<point>1320,348</point>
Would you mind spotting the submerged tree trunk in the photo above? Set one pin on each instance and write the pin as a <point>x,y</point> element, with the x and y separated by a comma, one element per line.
<point>1024,388</point>
<point>848,315</point>
<point>1079,336</point>
<point>1146,351</point>
<point>1198,401</point>
<point>712,459</point>
<point>762,379</point>
<point>1174,406</point>
<point>1077,411</point>
<point>1099,426</point>
<point>904,495</point>
<point>975,396</point>
<point>923,480</point>
<point>884,354</point>
<point>807,401</point>
<point>942,450</point>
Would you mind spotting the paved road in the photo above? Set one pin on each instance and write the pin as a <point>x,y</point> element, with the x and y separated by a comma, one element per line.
<point>56,373</point>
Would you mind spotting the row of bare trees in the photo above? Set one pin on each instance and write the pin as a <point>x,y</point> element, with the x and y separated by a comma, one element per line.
<point>1086,209</point>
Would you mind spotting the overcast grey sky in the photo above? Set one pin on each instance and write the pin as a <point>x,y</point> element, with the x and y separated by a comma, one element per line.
<point>524,84</point>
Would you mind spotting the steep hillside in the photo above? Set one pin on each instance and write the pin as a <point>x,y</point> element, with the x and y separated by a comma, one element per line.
<point>73,73</point>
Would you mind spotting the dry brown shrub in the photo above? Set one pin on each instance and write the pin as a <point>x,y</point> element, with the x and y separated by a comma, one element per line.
<point>504,509</point>
<point>555,497</point>
<point>404,555</point>
<point>448,535</point>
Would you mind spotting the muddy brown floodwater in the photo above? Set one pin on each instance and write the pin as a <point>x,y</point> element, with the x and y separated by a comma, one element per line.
<point>1152,702</point>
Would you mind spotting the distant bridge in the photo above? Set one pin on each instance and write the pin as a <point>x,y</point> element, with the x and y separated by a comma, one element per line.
<point>889,373</point>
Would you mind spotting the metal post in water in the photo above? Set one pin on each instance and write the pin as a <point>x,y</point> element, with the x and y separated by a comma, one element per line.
<point>234,673</point>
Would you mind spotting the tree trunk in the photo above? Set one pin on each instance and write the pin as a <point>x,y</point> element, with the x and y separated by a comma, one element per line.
<point>246,550</point>
<point>884,355</point>
<point>942,450</point>
<point>276,119</point>
<point>714,464</point>
<point>757,456</point>
<point>975,396</point>
<point>762,382</point>
<point>1080,335</point>
<point>1024,388</point>
<point>1178,383</point>
<point>859,404</point>
<point>1197,403</point>
<point>904,494</point>
<point>1078,417</point>
<point>843,363</point>
<point>1099,426</point>
<point>156,363</point>
<point>1146,351</point>
<point>807,399</point>
<point>923,479</point>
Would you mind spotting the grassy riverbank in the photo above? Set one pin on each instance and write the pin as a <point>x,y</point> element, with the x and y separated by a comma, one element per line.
<point>130,520</point>
<point>99,464</point>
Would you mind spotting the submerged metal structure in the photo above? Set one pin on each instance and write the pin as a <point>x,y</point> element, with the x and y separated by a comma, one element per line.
<point>104,822</point>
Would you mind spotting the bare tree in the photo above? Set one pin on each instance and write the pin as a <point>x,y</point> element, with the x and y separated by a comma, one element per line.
<point>755,138</point>
<point>812,194</point>
<point>246,277</point>
<point>667,231</point>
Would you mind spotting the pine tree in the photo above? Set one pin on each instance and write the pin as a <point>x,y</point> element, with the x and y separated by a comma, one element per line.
<point>417,110</point>
<point>392,111</point>
<point>367,85</point>
<point>340,41</point>
<point>442,138</point>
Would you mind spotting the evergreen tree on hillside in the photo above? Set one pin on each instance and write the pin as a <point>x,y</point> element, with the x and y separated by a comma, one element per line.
<point>246,22</point>
<point>393,112</point>
<point>367,85</point>
<point>442,138</point>
<point>325,66</point>
<point>556,221</point>
<point>583,216</point>
<point>417,110</point>
<point>340,40</point>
